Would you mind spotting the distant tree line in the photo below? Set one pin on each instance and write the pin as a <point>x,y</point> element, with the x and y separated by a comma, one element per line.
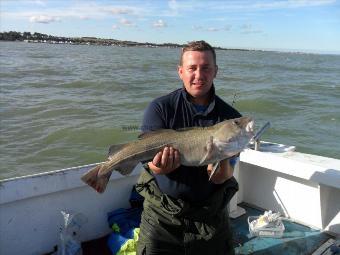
<point>44,38</point>
<point>18,36</point>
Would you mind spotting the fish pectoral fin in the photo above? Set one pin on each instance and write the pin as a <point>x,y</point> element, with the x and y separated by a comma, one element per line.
<point>209,148</point>
<point>215,169</point>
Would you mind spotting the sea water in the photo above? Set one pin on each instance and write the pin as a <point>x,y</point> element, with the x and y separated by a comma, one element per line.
<point>64,105</point>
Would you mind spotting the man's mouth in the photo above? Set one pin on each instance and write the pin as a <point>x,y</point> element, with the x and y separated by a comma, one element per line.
<point>198,84</point>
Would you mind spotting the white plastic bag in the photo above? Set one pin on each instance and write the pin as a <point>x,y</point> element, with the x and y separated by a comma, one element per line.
<point>267,225</point>
<point>69,244</point>
<point>268,219</point>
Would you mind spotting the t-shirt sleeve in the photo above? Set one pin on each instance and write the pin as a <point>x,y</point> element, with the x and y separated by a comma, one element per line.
<point>153,118</point>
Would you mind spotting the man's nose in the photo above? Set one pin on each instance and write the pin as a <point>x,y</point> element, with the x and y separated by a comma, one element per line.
<point>198,72</point>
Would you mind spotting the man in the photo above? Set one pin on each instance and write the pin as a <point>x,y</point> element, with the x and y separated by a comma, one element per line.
<point>184,212</point>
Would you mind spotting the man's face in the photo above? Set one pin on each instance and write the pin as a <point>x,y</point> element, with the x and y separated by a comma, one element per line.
<point>197,72</point>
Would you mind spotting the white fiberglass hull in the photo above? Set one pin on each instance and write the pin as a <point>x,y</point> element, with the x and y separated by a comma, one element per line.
<point>304,187</point>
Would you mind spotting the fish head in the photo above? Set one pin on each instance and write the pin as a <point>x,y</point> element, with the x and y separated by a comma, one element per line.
<point>232,136</point>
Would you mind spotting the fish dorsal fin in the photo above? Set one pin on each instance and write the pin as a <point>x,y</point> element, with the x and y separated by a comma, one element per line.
<point>115,148</point>
<point>155,132</point>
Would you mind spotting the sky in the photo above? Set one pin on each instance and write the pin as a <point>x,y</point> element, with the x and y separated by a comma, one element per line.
<point>289,25</point>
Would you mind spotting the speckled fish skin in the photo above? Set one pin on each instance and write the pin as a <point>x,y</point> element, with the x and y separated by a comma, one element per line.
<point>197,146</point>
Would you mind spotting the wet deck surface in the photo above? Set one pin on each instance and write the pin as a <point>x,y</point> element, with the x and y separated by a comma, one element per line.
<point>296,240</point>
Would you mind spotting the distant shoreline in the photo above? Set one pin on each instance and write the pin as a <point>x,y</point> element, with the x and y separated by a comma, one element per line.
<point>44,38</point>
<point>50,39</point>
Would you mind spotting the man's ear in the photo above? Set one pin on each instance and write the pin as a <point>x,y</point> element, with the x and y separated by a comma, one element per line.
<point>216,69</point>
<point>180,71</point>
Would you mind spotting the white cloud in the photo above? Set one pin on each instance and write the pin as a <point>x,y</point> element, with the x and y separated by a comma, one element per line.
<point>126,22</point>
<point>77,10</point>
<point>43,19</point>
<point>159,24</point>
<point>115,27</point>
<point>40,2</point>
<point>291,4</point>
<point>249,29</point>
<point>173,5</point>
<point>209,29</point>
<point>266,5</point>
<point>212,29</point>
<point>246,26</point>
<point>82,17</point>
<point>120,10</point>
<point>100,10</point>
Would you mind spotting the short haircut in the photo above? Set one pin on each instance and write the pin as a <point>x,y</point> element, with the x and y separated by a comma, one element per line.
<point>197,46</point>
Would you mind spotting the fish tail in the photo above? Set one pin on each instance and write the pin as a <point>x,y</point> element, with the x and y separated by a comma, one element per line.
<point>95,180</point>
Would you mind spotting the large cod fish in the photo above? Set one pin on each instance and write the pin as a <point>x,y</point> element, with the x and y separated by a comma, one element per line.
<point>197,146</point>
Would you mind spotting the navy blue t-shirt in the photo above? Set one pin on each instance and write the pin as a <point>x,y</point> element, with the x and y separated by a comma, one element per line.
<point>175,111</point>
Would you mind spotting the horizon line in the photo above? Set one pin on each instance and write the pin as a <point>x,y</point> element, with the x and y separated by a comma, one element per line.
<point>279,50</point>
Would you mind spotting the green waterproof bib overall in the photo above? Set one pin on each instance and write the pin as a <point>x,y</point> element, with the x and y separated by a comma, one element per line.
<point>173,226</point>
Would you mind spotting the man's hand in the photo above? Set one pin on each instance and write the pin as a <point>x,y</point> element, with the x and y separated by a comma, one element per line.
<point>165,161</point>
<point>224,173</point>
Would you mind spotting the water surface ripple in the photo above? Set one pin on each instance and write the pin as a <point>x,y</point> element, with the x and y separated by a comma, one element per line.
<point>63,105</point>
